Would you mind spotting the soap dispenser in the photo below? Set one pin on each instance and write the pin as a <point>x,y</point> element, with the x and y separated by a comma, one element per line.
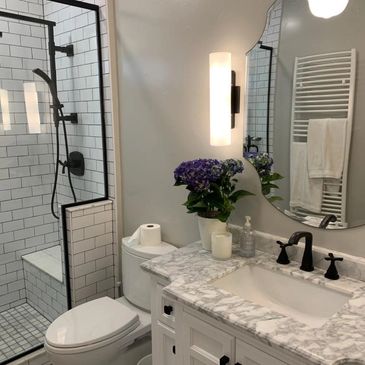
<point>247,241</point>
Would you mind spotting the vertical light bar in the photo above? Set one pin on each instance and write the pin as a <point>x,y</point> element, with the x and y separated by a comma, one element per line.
<point>220,98</point>
<point>31,106</point>
<point>5,112</point>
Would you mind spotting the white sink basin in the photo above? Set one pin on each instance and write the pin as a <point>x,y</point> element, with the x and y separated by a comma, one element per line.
<point>299,299</point>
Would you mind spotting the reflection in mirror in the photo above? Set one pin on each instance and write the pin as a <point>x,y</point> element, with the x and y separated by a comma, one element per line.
<point>304,91</point>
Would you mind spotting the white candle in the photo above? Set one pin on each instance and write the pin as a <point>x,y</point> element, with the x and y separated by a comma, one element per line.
<point>222,245</point>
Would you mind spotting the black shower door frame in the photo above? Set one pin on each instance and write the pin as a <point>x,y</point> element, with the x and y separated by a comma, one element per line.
<point>53,70</point>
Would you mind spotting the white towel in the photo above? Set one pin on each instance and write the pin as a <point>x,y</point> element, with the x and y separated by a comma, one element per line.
<point>305,193</point>
<point>326,147</point>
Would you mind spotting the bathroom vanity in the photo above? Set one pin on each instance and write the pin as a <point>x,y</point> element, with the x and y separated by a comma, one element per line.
<point>205,312</point>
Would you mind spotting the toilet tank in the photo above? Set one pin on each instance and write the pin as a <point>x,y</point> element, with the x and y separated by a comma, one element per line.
<point>136,282</point>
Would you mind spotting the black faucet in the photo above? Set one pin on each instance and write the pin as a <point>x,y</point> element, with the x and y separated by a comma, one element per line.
<point>307,261</point>
<point>327,220</point>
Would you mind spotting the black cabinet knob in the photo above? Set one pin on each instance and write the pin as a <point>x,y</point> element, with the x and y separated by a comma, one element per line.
<point>168,309</point>
<point>224,360</point>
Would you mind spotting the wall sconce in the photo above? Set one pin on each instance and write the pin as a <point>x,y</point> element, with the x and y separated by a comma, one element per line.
<point>327,8</point>
<point>31,106</point>
<point>5,112</point>
<point>224,98</point>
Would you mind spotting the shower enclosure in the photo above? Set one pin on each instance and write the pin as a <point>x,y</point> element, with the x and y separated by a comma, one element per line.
<point>52,156</point>
<point>262,63</point>
<point>259,133</point>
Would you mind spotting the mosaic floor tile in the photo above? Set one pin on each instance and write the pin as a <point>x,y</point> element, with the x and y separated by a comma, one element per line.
<point>21,329</point>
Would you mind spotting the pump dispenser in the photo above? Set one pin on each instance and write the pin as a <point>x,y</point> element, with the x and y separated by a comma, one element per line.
<point>247,241</point>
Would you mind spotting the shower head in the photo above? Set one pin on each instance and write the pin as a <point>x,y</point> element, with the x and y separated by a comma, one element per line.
<point>51,85</point>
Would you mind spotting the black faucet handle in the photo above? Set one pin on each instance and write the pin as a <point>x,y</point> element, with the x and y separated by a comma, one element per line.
<point>332,272</point>
<point>332,258</point>
<point>283,258</point>
<point>284,245</point>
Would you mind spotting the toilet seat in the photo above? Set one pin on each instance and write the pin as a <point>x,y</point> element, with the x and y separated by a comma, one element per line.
<point>124,338</point>
<point>91,325</point>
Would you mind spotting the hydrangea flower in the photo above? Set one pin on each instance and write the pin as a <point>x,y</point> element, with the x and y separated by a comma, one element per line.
<point>263,164</point>
<point>212,189</point>
<point>197,175</point>
<point>261,161</point>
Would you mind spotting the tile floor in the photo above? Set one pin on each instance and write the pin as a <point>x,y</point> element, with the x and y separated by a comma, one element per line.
<point>21,328</point>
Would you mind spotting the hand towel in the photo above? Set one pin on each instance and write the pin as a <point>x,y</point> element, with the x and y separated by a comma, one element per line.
<point>305,193</point>
<point>326,147</point>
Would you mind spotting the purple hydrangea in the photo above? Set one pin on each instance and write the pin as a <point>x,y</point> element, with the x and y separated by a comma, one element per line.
<point>213,192</point>
<point>199,174</point>
<point>233,167</point>
<point>261,161</point>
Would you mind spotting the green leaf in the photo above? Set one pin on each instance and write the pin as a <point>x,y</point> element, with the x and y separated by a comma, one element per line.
<point>271,186</point>
<point>273,199</point>
<point>238,195</point>
<point>275,176</point>
<point>199,204</point>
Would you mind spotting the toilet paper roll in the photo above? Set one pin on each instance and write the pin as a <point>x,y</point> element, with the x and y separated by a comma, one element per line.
<point>150,235</point>
<point>147,235</point>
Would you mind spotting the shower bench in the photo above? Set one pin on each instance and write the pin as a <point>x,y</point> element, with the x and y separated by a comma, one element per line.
<point>44,282</point>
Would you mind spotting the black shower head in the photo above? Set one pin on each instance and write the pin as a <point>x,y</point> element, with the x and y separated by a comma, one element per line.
<point>51,85</point>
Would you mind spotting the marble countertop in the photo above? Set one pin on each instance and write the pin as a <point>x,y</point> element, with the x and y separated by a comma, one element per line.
<point>191,271</point>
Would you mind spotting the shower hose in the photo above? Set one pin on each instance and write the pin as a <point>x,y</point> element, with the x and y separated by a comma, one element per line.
<point>59,162</point>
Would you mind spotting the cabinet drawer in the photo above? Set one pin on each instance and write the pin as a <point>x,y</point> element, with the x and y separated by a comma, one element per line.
<point>166,310</point>
<point>205,344</point>
<point>250,355</point>
<point>165,351</point>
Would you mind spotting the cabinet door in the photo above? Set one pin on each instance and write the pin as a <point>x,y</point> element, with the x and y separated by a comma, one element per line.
<point>204,344</point>
<point>166,350</point>
<point>249,355</point>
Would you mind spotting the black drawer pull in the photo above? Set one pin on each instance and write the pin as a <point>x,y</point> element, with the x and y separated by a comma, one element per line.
<point>174,349</point>
<point>237,363</point>
<point>224,360</point>
<point>168,309</point>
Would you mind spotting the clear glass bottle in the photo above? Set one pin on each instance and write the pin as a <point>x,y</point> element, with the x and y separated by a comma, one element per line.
<point>247,240</point>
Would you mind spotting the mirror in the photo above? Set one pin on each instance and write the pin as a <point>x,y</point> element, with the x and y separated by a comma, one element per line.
<point>305,107</point>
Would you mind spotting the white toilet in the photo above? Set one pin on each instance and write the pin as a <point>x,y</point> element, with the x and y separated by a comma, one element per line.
<point>106,331</point>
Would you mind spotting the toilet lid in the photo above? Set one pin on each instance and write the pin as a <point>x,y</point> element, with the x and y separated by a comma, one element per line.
<point>90,323</point>
<point>146,252</point>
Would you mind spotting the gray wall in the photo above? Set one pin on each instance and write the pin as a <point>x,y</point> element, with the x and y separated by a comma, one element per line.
<point>305,35</point>
<point>163,52</point>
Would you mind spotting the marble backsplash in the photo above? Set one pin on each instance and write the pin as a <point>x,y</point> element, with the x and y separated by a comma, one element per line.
<point>351,266</point>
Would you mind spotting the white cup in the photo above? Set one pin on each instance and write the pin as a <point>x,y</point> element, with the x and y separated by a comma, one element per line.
<point>222,245</point>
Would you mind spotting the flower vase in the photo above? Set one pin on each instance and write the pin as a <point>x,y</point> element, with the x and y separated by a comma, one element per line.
<point>206,227</point>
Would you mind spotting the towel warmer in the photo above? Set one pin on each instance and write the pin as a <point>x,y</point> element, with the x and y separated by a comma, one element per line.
<point>324,87</point>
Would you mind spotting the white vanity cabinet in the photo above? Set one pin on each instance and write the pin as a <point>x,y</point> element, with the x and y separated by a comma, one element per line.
<point>163,326</point>
<point>183,336</point>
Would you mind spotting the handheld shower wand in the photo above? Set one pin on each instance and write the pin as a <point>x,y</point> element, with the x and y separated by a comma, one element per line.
<point>51,85</point>
<point>58,116</point>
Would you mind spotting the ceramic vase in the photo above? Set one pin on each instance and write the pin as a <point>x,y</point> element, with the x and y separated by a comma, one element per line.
<point>206,227</point>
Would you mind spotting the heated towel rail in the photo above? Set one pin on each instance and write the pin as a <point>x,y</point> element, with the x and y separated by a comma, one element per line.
<point>324,87</point>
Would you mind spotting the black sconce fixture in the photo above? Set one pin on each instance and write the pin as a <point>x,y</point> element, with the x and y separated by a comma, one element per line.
<point>235,100</point>
<point>224,98</point>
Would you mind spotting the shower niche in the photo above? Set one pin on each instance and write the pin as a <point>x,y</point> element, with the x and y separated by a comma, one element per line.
<point>52,156</point>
